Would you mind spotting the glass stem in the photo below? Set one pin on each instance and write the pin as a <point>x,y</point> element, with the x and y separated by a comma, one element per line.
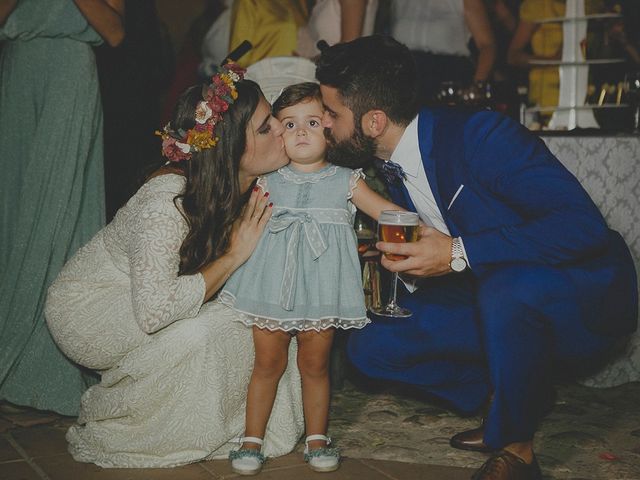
<point>392,293</point>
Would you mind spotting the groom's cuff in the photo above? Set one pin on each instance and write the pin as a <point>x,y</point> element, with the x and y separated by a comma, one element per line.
<point>464,253</point>
<point>409,283</point>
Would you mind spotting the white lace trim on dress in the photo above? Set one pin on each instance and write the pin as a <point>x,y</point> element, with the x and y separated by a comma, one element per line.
<point>356,176</point>
<point>293,324</point>
<point>262,183</point>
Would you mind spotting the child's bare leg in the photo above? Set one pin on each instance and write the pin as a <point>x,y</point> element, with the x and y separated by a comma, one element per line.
<point>314,349</point>
<point>270,363</point>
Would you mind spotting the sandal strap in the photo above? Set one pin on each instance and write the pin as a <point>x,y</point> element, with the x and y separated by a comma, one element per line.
<point>255,440</point>
<point>247,453</point>
<point>317,436</point>
<point>322,452</point>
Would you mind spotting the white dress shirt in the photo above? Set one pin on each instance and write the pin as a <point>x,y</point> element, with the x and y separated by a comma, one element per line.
<point>407,155</point>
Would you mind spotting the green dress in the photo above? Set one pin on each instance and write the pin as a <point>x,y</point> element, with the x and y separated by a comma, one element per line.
<point>51,189</point>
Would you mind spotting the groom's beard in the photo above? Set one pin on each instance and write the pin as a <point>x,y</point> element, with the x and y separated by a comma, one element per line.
<point>356,151</point>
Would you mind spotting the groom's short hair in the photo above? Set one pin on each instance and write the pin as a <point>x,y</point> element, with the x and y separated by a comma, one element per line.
<point>375,72</point>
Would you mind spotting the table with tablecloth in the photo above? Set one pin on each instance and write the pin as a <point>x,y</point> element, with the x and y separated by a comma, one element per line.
<point>607,167</point>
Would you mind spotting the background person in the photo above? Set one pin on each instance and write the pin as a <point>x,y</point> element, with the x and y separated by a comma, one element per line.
<point>438,33</point>
<point>536,40</point>
<point>52,186</point>
<point>271,26</point>
<point>336,21</point>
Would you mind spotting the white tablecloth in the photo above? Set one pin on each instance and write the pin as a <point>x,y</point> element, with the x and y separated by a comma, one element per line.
<point>608,168</point>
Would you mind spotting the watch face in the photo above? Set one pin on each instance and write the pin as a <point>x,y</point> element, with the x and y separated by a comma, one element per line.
<point>458,264</point>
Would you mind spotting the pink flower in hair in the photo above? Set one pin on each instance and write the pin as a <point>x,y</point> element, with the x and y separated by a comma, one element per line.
<point>174,150</point>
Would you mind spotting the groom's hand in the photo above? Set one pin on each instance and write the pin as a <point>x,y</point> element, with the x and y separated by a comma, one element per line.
<point>428,257</point>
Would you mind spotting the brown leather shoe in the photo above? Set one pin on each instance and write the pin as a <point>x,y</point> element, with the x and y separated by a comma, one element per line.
<point>504,465</point>
<point>471,440</point>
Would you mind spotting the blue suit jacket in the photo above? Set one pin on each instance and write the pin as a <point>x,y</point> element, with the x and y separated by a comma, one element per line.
<point>512,202</point>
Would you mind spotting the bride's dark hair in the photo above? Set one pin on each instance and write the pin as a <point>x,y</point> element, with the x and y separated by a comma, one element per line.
<point>212,199</point>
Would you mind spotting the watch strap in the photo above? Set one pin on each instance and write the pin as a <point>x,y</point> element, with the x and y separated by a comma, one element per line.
<point>458,261</point>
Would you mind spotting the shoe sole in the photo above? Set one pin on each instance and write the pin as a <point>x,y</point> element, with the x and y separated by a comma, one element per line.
<point>246,472</point>
<point>459,446</point>
<point>325,469</point>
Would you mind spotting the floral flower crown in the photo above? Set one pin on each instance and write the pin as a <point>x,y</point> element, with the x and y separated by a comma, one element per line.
<point>180,145</point>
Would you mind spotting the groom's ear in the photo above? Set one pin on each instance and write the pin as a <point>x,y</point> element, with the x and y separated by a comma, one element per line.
<point>374,123</point>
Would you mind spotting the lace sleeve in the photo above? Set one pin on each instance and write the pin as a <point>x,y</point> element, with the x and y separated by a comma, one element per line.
<point>356,176</point>
<point>262,183</point>
<point>160,296</point>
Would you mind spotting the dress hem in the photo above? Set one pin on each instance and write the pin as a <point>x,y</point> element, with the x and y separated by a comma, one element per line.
<point>262,324</point>
<point>251,319</point>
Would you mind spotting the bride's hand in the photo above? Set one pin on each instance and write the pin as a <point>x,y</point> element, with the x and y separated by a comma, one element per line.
<point>248,228</point>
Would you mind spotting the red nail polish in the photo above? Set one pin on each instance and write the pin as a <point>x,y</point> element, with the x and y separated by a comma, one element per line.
<point>255,189</point>
<point>271,204</point>
<point>266,194</point>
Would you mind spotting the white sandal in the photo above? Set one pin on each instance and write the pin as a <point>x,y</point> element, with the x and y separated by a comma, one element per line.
<point>247,461</point>
<point>323,459</point>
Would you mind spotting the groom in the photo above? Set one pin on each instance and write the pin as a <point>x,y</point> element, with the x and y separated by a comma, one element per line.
<point>517,274</point>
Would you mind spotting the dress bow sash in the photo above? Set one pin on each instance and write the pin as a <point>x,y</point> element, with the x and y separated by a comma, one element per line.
<point>299,223</point>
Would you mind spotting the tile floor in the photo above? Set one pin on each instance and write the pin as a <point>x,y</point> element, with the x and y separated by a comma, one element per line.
<point>591,434</point>
<point>32,447</point>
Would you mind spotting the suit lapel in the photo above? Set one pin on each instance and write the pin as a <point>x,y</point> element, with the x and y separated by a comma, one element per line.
<point>438,133</point>
<point>440,138</point>
<point>429,142</point>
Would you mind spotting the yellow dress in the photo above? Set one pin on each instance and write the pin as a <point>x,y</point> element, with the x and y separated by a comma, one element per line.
<point>544,82</point>
<point>270,25</point>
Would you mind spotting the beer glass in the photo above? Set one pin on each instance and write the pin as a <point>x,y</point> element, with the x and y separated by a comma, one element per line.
<point>398,227</point>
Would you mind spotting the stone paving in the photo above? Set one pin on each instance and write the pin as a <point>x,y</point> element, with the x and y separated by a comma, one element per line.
<point>591,434</point>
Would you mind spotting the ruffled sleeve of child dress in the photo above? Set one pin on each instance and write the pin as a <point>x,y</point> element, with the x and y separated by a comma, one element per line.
<point>174,371</point>
<point>305,272</point>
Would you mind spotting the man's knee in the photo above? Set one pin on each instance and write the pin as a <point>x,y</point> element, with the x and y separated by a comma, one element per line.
<point>515,291</point>
<point>366,352</point>
<point>357,352</point>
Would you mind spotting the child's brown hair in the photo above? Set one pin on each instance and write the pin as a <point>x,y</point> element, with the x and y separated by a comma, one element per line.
<point>294,94</point>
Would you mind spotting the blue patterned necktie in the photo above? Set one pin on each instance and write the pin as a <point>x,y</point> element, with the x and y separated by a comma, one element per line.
<point>391,171</point>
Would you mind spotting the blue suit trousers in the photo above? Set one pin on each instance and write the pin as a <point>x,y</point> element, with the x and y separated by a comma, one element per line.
<point>504,333</point>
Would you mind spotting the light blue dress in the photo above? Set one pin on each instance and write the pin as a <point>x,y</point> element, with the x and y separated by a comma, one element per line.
<point>305,272</point>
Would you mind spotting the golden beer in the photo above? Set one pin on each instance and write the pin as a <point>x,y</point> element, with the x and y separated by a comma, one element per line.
<point>398,227</point>
<point>397,234</point>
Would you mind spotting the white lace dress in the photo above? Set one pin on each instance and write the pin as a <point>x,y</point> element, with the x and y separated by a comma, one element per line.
<point>174,372</point>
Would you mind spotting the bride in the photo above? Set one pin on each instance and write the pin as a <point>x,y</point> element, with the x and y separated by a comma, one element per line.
<point>132,303</point>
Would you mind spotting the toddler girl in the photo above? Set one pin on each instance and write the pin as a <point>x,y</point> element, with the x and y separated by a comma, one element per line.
<point>303,278</point>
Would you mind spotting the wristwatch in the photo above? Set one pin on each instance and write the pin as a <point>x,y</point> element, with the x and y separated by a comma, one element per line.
<point>457,263</point>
